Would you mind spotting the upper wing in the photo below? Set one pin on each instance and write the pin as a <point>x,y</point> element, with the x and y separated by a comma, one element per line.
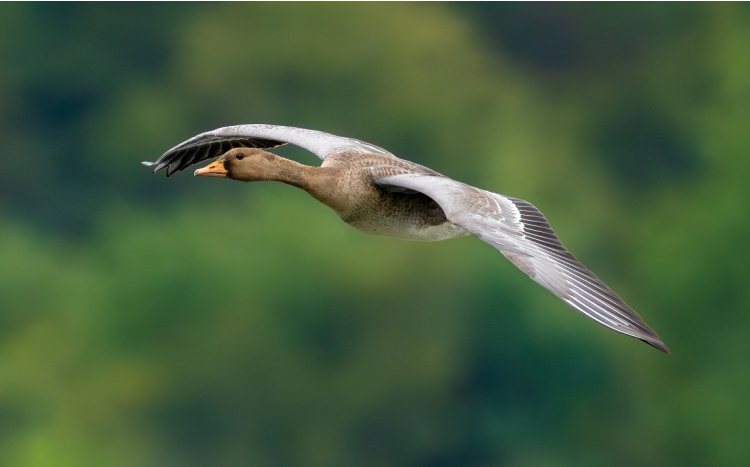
<point>212,144</point>
<point>521,233</point>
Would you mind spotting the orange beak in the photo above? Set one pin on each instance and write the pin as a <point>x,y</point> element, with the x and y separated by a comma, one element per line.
<point>215,169</point>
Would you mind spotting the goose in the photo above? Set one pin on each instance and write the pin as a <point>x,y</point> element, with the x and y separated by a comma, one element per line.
<point>378,193</point>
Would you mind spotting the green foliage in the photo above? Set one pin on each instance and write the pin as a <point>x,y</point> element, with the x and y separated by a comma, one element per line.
<point>146,321</point>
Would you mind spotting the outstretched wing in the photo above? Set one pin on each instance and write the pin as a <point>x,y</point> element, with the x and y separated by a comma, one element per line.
<point>523,235</point>
<point>212,144</point>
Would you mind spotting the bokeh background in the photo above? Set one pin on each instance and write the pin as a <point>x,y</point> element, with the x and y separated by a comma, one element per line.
<point>194,322</point>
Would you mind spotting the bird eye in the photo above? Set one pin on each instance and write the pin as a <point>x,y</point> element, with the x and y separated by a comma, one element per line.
<point>240,157</point>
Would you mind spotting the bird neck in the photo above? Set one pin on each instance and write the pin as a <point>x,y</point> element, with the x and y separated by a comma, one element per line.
<point>319,182</point>
<point>293,173</point>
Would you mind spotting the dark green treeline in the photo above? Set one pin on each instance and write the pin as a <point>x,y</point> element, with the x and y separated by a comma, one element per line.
<point>193,322</point>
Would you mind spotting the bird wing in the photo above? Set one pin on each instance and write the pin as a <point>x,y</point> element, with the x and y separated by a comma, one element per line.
<point>212,144</point>
<point>522,234</point>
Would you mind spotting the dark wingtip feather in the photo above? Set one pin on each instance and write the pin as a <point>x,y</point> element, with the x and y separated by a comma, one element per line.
<point>159,167</point>
<point>174,167</point>
<point>657,344</point>
<point>202,148</point>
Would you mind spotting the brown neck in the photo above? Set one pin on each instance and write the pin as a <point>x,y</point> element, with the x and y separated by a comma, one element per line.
<point>318,181</point>
<point>293,173</point>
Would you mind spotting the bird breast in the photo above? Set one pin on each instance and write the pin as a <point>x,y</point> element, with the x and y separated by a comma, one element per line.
<point>411,216</point>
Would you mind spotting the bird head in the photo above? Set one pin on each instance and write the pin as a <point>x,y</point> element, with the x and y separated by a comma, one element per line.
<point>245,164</point>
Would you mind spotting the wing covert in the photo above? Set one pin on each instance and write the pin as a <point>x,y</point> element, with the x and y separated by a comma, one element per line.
<point>522,234</point>
<point>212,144</point>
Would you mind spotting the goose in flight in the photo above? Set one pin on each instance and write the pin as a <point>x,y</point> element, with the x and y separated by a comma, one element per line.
<point>378,193</point>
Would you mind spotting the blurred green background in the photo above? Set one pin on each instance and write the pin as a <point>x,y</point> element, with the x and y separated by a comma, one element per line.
<point>194,322</point>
